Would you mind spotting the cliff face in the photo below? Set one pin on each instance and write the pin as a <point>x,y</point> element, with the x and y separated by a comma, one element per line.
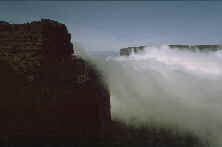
<point>46,91</point>
<point>34,44</point>
<point>129,50</point>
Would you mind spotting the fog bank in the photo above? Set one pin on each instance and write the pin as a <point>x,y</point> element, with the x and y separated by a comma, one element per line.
<point>171,88</point>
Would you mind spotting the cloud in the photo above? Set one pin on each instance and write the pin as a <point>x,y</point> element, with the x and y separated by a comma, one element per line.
<point>168,88</point>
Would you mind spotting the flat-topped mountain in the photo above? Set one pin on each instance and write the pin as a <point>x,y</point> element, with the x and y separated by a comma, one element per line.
<point>202,47</point>
<point>127,51</point>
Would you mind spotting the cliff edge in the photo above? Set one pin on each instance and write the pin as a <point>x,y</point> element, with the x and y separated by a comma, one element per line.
<point>45,89</point>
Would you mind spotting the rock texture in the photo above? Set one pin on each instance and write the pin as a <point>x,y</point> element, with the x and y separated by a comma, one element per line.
<point>45,90</point>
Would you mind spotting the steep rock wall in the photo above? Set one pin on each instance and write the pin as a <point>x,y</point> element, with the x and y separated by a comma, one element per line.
<point>46,91</point>
<point>127,51</point>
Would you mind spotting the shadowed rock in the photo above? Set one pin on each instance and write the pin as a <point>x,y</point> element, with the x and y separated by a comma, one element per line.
<point>46,90</point>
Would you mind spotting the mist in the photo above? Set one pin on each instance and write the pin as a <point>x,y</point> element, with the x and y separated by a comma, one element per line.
<point>167,88</point>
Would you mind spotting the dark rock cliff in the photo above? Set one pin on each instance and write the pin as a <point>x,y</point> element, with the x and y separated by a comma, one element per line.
<point>45,90</point>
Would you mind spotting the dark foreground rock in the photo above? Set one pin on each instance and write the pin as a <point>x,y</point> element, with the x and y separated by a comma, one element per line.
<point>143,136</point>
<point>119,135</point>
<point>45,90</point>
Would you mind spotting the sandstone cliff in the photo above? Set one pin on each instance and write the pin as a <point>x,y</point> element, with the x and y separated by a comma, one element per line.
<point>45,89</point>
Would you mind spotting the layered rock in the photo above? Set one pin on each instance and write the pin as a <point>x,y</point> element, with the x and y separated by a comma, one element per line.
<point>46,90</point>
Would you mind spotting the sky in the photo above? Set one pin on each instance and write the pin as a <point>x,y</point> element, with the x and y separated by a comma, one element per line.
<point>111,25</point>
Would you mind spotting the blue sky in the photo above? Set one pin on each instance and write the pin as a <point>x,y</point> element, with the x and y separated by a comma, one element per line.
<point>113,25</point>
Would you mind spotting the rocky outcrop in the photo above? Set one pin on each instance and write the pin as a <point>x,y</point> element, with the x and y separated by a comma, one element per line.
<point>45,89</point>
<point>202,47</point>
<point>129,50</point>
